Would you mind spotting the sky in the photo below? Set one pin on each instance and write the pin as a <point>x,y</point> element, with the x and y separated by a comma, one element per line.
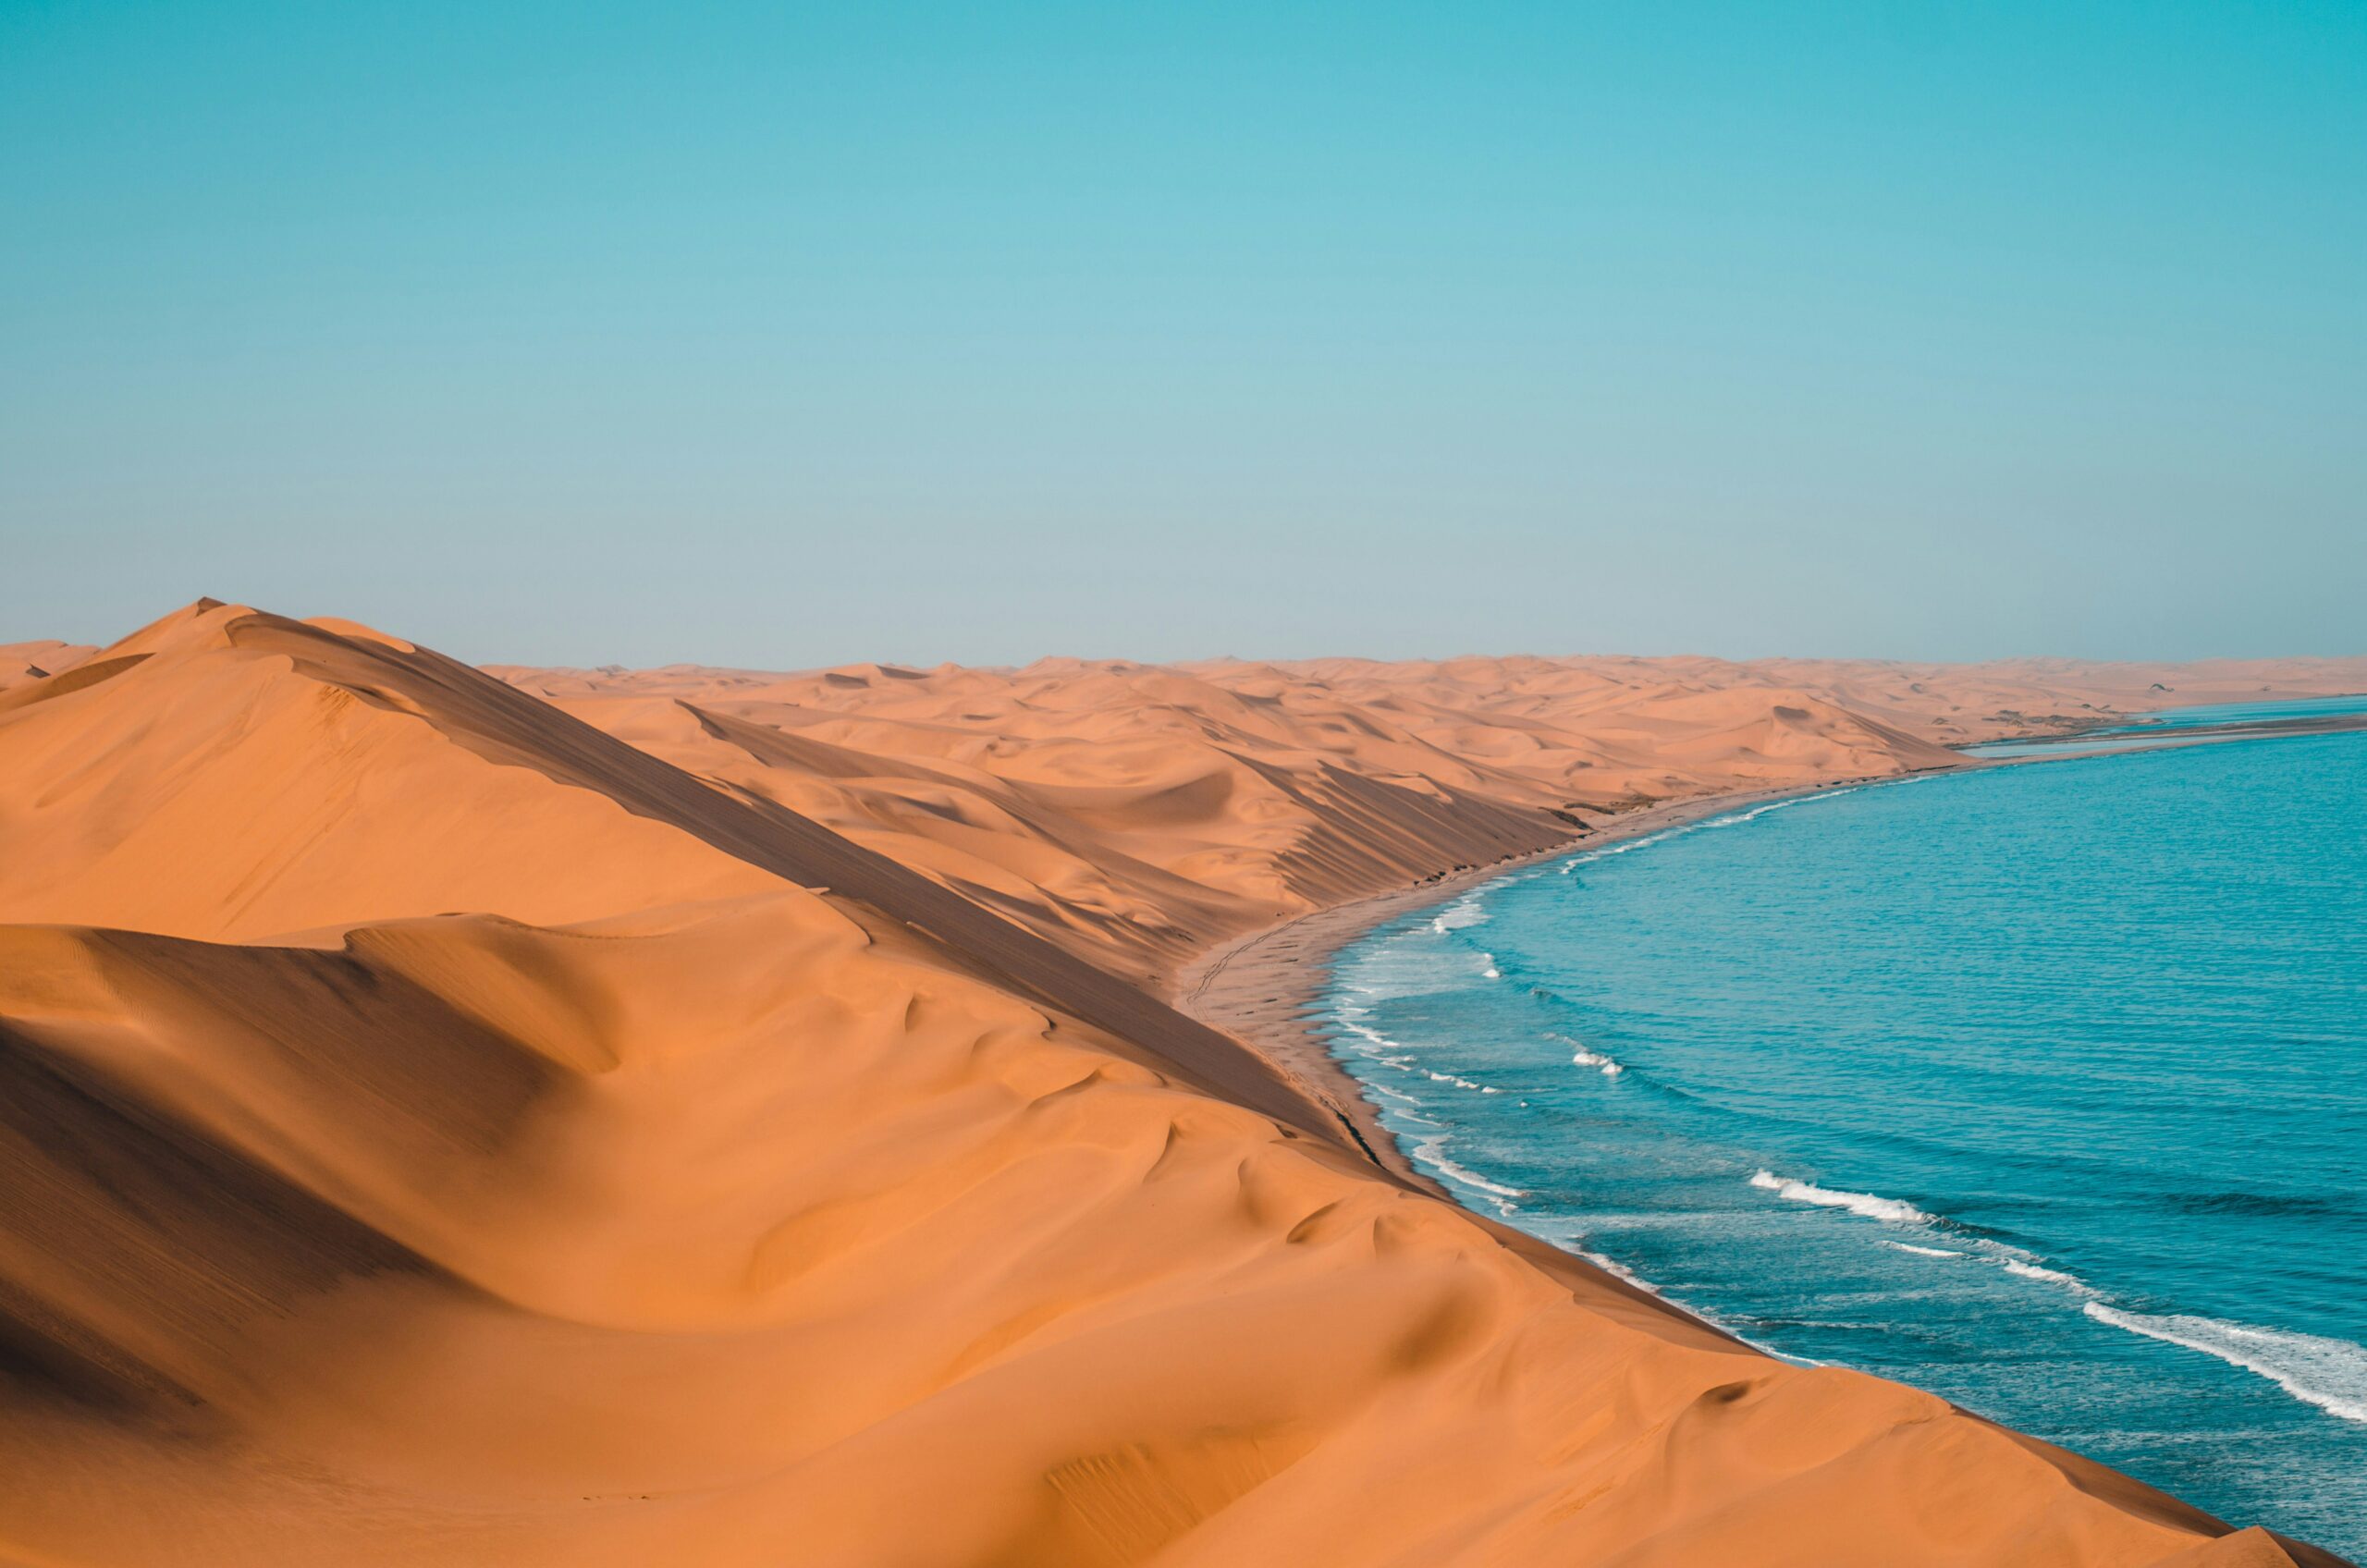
<point>784,336</point>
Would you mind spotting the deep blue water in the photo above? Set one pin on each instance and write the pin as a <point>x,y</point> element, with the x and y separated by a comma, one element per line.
<point>2041,1087</point>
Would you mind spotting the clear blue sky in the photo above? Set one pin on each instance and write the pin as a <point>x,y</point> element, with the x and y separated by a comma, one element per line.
<point>787,335</point>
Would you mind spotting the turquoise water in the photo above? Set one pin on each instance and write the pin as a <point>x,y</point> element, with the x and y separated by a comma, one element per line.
<point>2041,1087</point>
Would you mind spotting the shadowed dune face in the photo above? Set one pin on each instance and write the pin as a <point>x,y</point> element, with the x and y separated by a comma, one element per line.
<point>434,1129</point>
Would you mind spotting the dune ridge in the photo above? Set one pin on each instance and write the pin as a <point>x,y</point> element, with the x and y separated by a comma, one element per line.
<point>22,662</point>
<point>705,1116</point>
<point>1140,814</point>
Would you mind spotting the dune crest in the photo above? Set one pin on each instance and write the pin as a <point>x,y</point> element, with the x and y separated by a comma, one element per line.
<point>702,1117</point>
<point>1140,813</point>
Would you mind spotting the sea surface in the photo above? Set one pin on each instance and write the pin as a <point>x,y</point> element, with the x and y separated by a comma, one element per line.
<point>2042,1087</point>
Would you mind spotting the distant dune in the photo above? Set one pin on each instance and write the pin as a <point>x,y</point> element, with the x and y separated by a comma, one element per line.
<point>704,1117</point>
<point>21,662</point>
<point>1135,813</point>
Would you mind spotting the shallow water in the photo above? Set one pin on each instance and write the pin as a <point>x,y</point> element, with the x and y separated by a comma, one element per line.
<point>2041,1087</point>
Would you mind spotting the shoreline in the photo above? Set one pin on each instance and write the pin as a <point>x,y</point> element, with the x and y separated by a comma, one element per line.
<point>1266,988</point>
<point>2116,741</point>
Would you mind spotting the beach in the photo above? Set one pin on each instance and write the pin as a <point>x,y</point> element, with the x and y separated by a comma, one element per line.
<point>1879,1081</point>
<point>1265,989</point>
<point>1126,787</point>
<point>604,1117</point>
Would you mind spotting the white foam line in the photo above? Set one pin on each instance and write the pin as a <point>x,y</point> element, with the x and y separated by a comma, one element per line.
<point>1572,1236</point>
<point>1582,1057</point>
<point>1379,1048</point>
<point>1617,1269</point>
<point>1620,848</point>
<point>2013,1259</point>
<point>1868,1204</point>
<point>2330,1374</point>
<point>1429,1149</point>
<point>1613,1267</point>
<point>1731,820</point>
<point>1462,913</point>
<point>1755,813</point>
<point>2022,1265</point>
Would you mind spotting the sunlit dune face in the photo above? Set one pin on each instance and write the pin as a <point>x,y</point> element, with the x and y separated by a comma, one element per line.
<point>722,1118</point>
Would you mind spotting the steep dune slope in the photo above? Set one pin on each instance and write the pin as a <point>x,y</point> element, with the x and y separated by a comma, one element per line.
<point>356,778</point>
<point>1133,826</point>
<point>849,1260</point>
<point>621,1167</point>
<point>1139,813</point>
<point>225,775</point>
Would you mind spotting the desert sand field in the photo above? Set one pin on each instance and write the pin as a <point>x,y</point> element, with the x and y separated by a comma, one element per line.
<point>713,1117</point>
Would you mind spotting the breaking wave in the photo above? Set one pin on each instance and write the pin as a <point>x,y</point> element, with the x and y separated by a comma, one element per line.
<point>1733,819</point>
<point>1866,1204</point>
<point>2330,1374</point>
<point>1580,1056</point>
<point>1379,1047</point>
<point>1431,1150</point>
<point>2020,1262</point>
<point>1460,915</point>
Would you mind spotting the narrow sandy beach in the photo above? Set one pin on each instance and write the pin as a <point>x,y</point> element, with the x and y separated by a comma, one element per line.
<point>1266,989</point>
<point>610,1118</point>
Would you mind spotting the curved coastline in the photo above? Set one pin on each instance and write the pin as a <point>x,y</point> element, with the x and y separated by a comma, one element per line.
<point>1265,987</point>
<point>1271,988</point>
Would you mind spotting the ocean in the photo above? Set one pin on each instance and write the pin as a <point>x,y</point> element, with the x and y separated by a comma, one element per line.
<point>2041,1087</point>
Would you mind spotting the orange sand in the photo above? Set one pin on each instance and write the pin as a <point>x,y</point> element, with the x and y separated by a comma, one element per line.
<point>718,1118</point>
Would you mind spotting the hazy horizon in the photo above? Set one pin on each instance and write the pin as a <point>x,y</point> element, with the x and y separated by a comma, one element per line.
<point>18,635</point>
<point>922,334</point>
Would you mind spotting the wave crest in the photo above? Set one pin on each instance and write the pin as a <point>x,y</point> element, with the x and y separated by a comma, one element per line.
<point>1580,1056</point>
<point>1431,1151</point>
<point>1870,1205</point>
<point>2330,1374</point>
<point>1460,915</point>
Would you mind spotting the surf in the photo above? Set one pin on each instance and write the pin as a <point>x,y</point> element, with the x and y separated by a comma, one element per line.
<point>1874,1076</point>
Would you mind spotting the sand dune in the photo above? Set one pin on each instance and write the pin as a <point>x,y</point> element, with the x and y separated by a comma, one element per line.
<point>21,662</point>
<point>717,1118</point>
<point>1139,813</point>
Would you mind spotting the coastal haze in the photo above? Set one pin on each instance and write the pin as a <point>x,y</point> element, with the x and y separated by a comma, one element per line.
<point>615,1116</point>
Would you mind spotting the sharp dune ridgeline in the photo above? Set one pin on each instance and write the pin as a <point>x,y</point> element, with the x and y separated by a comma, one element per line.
<point>717,1118</point>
